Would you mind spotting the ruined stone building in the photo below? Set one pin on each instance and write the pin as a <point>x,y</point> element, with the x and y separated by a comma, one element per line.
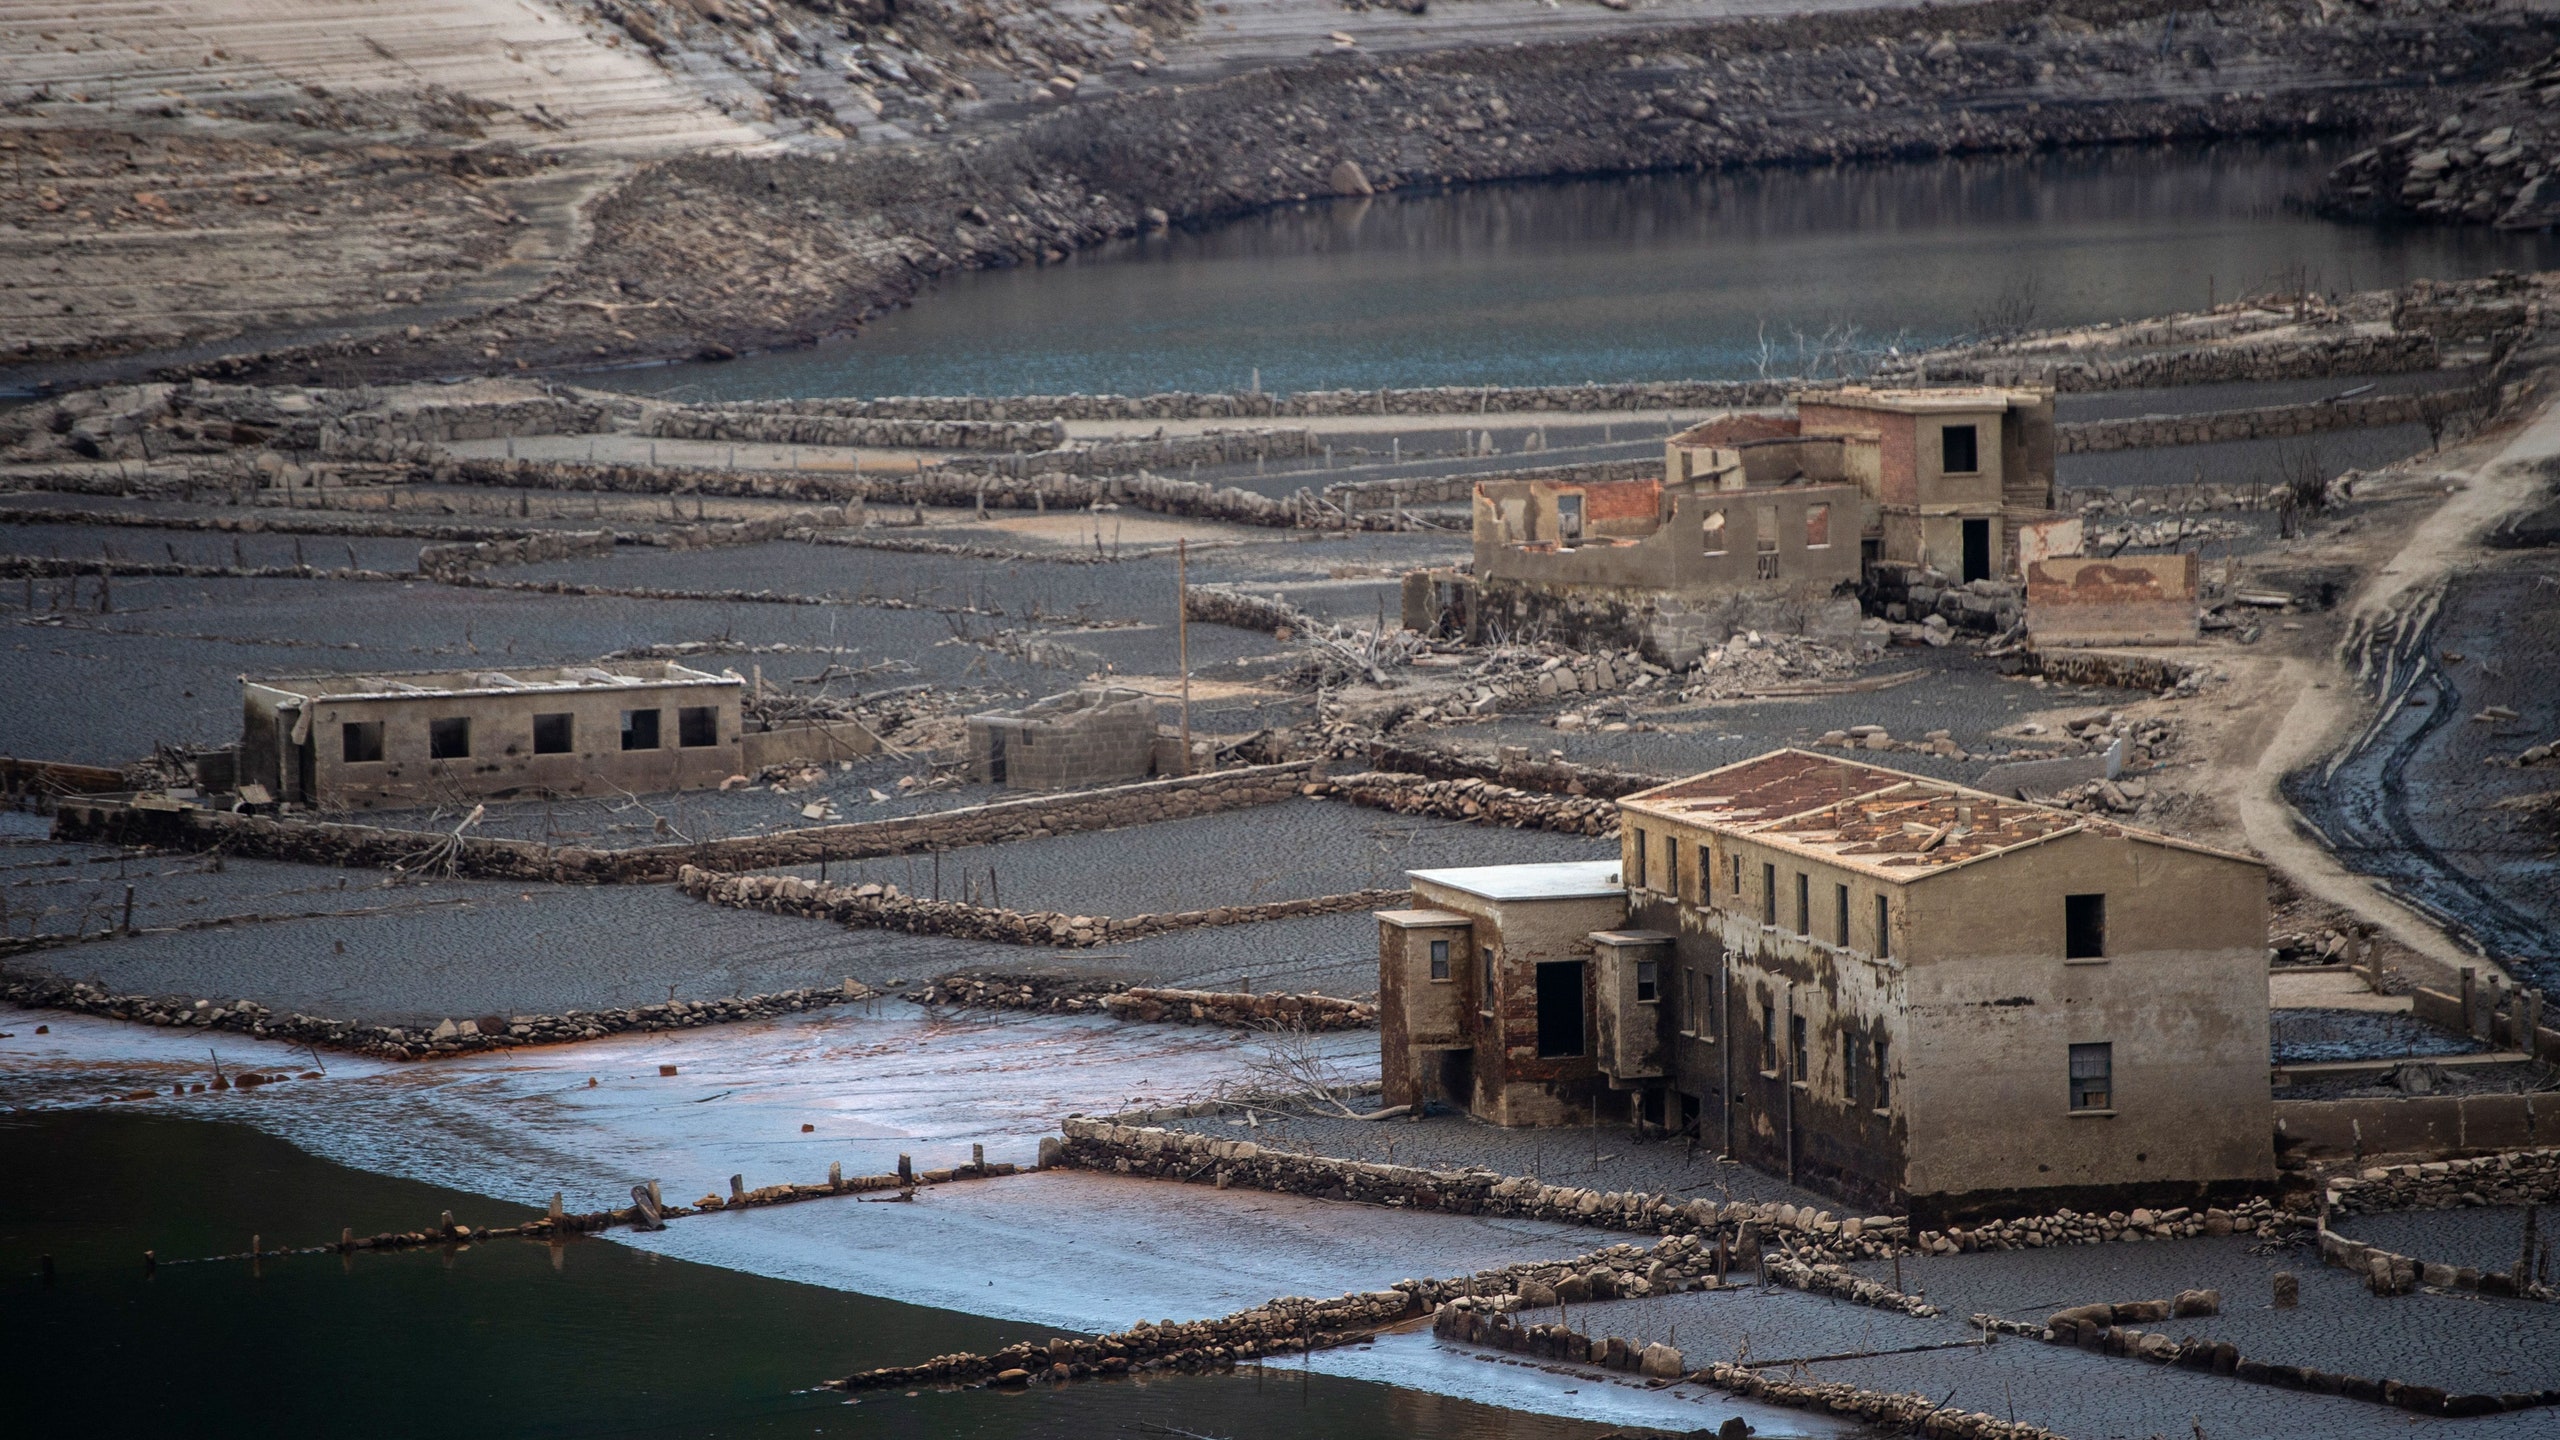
<point>1093,735</point>
<point>1902,990</point>
<point>1956,471</point>
<point>340,742</point>
<point>1763,522</point>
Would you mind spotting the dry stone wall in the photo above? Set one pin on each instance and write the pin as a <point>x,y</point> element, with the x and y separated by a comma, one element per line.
<point>418,1042</point>
<point>322,842</point>
<point>1080,995</point>
<point>884,907</point>
<point>1481,801</point>
<point>2263,423</point>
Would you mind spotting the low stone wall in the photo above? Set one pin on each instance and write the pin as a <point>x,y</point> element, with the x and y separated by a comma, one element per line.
<point>792,422</point>
<point>318,842</point>
<point>1428,489</point>
<point>1074,995</point>
<point>2514,1177</point>
<point>2122,672</point>
<point>1438,400</point>
<point>1550,777</point>
<point>2351,353</point>
<point>42,567</point>
<point>2266,422</point>
<point>565,413</point>
<point>2387,1272</point>
<point>1136,1143</point>
<point>439,562</point>
<point>1225,605</point>
<point>2110,1330</point>
<point>1481,801</point>
<point>883,907</point>
<point>1898,1412</point>
<point>395,1042</point>
<point>1903,594</point>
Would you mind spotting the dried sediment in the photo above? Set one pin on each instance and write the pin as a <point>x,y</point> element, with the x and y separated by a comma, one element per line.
<point>418,1042</point>
<point>884,907</point>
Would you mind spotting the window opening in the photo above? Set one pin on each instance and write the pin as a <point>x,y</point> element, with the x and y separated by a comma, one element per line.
<point>1439,959</point>
<point>1560,1023</point>
<point>697,726</point>
<point>449,739</point>
<point>2093,1076</point>
<point>1648,981</point>
<point>2084,927</point>
<point>639,729</point>
<point>361,741</point>
<point>1959,450</point>
<point>554,734</point>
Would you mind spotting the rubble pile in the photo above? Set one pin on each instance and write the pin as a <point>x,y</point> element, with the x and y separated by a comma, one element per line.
<point>1906,595</point>
<point>1752,663</point>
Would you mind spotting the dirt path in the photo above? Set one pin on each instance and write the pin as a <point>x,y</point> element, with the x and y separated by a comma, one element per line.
<point>2325,701</point>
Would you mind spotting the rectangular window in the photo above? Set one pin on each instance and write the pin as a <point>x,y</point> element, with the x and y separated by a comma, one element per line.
<point>2093,1077</point>
<point>1734,858</point>
<point>1713,529</point>
<point>1568,518</point>
<point>1689,1005</point>
<point>1648,981</point>
<point>449,739</point>
<point>1851,1047</point>
<point>1884,1078</point>
<point>554,735</point>
<point>1769,1034</point>
<point>697,726</point>
<point>361,741</point>
<point>1817,527</point>
<point>1884,928</point>
<point>1560,1024</point>
<point>1958,450</point>
<point>1439,959</point>
<point>1636,842</point>
<point>1804,904</point>
<point>1840,922</point>
<point>1671,866</point>
<point>1768,894</point>
<point>1796,1056</point>
<point>1486,969</point>
<point>2084,927</point>
<point>639,729</point>
<point>1764,540</point>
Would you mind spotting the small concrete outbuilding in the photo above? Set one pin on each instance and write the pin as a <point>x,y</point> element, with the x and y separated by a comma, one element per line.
<point>1093,735</point>
<point>1906,991</point>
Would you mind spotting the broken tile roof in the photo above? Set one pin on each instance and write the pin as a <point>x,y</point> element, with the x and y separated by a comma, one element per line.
<point>1887,823</point>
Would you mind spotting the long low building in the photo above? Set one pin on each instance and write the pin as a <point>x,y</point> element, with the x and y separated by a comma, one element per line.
<point>1905,991</point>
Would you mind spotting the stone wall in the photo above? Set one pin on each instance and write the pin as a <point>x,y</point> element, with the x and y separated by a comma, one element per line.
<point>1481,801</point>
<point>1664,395</point>
<point>801,422</point>
<point>2352,352</point>
<point>2269,422</point>
<point>2513,1177</point>
<point>438,562</point>
<point>1515,771</point>
<point>397,1042</point>
<point>1907,594</point>
<point>1092,735</point>
<point>1226,605</point>
<point>885,907</point>
<point>330,843</point>
<point>1357,495</point>
<point>1084,995</point>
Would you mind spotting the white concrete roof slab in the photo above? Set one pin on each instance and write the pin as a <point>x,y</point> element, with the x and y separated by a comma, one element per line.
<point>1555,880</point>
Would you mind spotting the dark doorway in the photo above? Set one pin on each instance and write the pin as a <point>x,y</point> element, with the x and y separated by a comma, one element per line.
<point>1559,1008</point>
<point>995,757</point>
<point>1458,1078</point>
<point>1977,549</point>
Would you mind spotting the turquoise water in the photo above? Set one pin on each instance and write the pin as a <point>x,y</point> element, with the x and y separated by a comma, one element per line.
<point>1644,277</point>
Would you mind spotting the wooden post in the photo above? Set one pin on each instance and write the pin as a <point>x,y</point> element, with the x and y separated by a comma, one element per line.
<point>1182,636</point>
<point>835,1176</point>
<point>978,1157</point>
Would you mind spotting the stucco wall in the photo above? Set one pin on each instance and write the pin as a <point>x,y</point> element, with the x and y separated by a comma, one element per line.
<point>2181,997</point>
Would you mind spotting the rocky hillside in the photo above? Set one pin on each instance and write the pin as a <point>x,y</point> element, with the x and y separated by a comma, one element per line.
<point>783,249</point>
<point>2483,157</point>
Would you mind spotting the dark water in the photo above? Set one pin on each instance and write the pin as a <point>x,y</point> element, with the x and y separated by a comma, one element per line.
<point>1633,278</point>
<point>506,1339</point>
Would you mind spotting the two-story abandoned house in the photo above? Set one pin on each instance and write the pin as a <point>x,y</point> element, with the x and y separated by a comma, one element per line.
<point>1904,991</point>
<point>354,742</point>
<point>1764,522</point>
<point>1957,469</point>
